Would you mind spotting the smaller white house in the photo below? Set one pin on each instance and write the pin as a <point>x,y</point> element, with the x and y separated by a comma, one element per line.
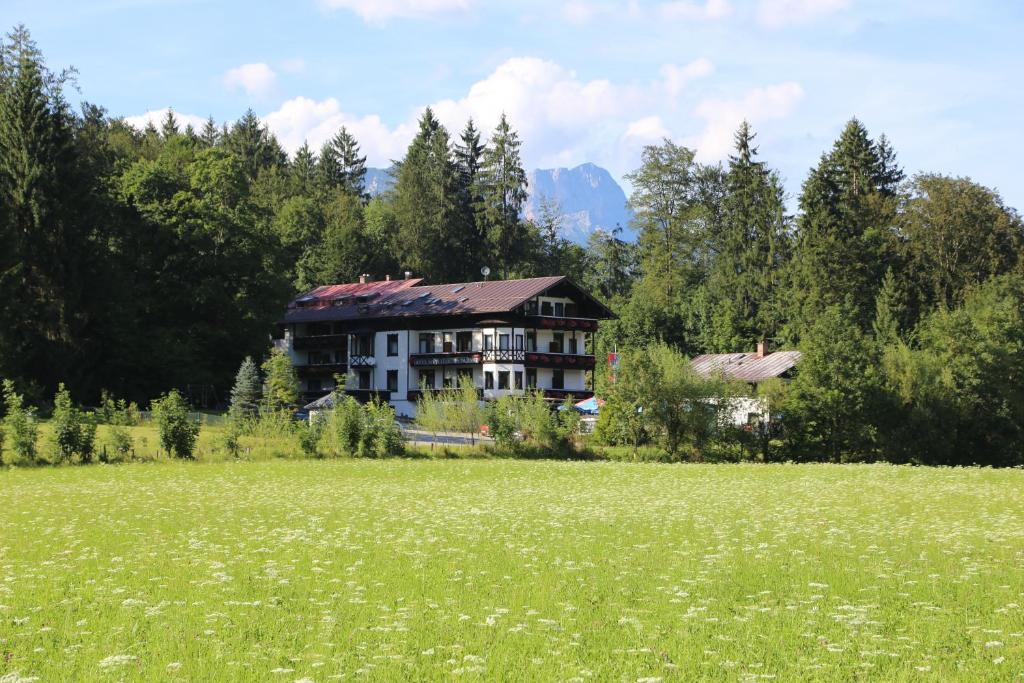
<point>752,368</point>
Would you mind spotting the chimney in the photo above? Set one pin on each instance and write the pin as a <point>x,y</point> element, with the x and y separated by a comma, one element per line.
<point>387,278</point>
<point>762,348</point>
<point>408,275</point>
<point>364,278</point>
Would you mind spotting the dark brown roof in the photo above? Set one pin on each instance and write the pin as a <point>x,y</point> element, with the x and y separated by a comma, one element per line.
<point>408,299</point>
<point>746,367</point>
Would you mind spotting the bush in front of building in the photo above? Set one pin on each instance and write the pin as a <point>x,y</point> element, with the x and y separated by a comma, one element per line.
<point>354,430</point>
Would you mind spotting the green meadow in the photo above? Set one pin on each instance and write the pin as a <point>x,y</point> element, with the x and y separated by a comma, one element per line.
<point>303,570</point>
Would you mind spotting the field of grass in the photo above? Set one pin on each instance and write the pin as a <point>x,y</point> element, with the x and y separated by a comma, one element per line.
<point>510,570</point>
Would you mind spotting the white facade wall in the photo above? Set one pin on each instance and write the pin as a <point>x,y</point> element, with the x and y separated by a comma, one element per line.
<point>408,377</point>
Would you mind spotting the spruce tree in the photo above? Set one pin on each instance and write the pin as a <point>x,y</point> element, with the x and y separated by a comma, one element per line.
<point>303,170</point>
<point>745,278</point>
<point>169,126</point>
<point>210,134</point>
<point>246,394</point>
<point>44,233</point>
<point>848,208</point>
<point>341,167</point>
<point>254,145</point>
<point>503,183</point>
<point>469,152</point>
<point>425,201</point>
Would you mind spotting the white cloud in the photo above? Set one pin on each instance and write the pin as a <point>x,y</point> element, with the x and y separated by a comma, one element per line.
<point>678,77</point>
<point>304,120</point>
<point>723,117</point>
<point>255,79</point>
<point>778,13</point>
<point>378,11</point>
<point>157,116</point>
<point>562,118</point>
<point>694,10</point>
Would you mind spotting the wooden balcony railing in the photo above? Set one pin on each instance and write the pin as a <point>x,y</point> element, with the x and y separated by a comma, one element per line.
<point>546,322</point>
<point>504,355</point>
<point>568,361</point>
<point>362,361</point>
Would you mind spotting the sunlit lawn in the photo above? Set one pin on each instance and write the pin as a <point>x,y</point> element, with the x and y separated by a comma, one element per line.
<point>510,570</point>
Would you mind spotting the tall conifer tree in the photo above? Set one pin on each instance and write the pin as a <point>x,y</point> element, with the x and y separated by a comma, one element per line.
<point>503,182</point>
<point>426,202</point>
<point>842,250</point>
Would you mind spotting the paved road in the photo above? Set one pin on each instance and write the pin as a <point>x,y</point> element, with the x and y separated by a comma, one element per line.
<point>418,436</point>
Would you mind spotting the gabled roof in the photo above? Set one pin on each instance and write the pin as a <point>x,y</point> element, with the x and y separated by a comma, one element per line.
<point>409,299</point>
<point>746,367</point>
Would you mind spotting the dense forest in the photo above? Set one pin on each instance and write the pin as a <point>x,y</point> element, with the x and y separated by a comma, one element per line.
<point>140,260</point>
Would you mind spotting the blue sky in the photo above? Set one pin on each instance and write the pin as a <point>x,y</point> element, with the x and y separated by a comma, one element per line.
<point>583,80</point>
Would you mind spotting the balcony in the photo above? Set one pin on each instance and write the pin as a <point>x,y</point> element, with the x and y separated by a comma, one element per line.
<point>567,361</point>
<point>562,394</point>
<point>546,322</point>
<point>426,360</point>
<point>322,341</point>
<point>362,361</point>
<point>321,369</point>
<point>504,355</point>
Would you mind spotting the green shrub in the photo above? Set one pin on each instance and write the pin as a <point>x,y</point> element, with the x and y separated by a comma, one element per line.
<point>344,429</point>
<point>74,432</point>
<point>19,428</point>
<point>309,437</point>
<point>178,431</point>
<point>120,441</point>
<point>381,436</point>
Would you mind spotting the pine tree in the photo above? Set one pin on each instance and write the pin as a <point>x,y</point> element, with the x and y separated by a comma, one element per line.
<point>169,126</point>
<point>425,201</point>
<point>341,167</point>
<point>210,134</point>
<point>848,208</point>
<point>503,182</point>
<point>888,312</point>
<point>303,170</point>
<point>744,282</point>
<point>251,142</point>
<point>43,230</point>
<point>246,394</point>
<point>469,154</point>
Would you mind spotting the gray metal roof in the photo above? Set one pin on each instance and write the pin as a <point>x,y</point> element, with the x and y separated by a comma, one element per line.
<point>746,367</point>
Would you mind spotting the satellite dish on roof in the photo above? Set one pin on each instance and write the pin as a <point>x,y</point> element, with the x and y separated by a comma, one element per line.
<point>485,271</point>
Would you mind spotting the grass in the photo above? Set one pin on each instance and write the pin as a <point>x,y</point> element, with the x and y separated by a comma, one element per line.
<point>287,570</point>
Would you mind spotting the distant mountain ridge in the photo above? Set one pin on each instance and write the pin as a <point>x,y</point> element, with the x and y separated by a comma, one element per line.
<point>586,196</point>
